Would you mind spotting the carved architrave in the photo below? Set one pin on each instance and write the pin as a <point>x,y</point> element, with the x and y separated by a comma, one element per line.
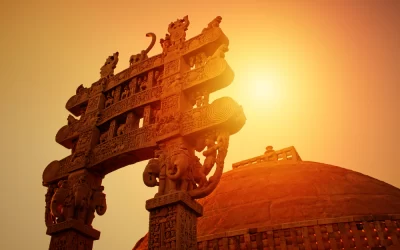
<point>136,100</point>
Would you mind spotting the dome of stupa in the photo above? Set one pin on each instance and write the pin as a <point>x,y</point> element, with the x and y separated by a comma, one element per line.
<point>278,192</point>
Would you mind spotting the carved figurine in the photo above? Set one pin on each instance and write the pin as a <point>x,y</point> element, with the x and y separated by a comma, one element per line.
<point>201,59</point>
<point>143,54</point>
<point>110,100</point>
<point>165,43</point>
<point>49,218</point>
<point>144,84</point>
<point>139,84</point>
<point>199,100</point>
<point>121,129</point>
<point>104,137</point>
<point>107,69</point>
<point>125,93</point>
<point>61,206</point>
<point>210,154</point>
<point>213,24</point>
<point>192,64</point>
<point>270,154</point>
<point>177,31</point>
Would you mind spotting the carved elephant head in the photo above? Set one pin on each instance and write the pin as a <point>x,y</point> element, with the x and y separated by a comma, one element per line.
<point>178,165</point>
<point>151,173</point>
<point>81,192</point>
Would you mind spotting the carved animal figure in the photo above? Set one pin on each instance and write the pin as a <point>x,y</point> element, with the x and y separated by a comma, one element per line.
<point>61,206</point>
<point>110,100</point>
<point>179,171</point>
<point>165,43</point>
<point>107,69</point>
<point>143,54</point>
<point>121,129</point>
<point>97,203</point>
<point>103,137</point>
<point>125,93</point>
<point>155,168</point>
<point>213,24</point>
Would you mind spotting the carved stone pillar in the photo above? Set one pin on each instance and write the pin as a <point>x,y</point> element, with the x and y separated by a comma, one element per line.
<point>72,235</point>
<point>117,94</point>
<point>72,209</point>
<point>173,219</point>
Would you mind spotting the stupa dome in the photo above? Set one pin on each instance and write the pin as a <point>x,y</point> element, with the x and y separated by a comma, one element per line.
<point>278,191</point>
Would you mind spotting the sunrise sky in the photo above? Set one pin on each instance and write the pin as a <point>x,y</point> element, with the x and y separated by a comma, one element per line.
<point>322,76</point>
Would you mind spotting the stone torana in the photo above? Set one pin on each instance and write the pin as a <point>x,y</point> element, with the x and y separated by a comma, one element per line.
<point>157,109</point>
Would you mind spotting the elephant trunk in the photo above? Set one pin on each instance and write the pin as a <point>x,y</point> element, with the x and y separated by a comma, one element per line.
<point>101,209</point>
<point>180,170</point>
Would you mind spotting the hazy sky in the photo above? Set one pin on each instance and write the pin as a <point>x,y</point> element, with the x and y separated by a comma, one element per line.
<point>322,76</point>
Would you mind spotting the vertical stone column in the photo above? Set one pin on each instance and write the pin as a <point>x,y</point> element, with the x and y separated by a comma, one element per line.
<point>146,115</point>
<point>73,205</point>
<point>173,220</point>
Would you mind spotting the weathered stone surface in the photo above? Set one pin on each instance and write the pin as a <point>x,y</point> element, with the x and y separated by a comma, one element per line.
<point>263,195</point>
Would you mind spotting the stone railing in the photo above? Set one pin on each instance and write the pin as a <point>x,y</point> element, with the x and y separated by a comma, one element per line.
<point>271,156</point>
<point>350,232</point>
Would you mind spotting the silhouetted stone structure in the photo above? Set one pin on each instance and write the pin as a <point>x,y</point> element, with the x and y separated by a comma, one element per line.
<point>156,109</point>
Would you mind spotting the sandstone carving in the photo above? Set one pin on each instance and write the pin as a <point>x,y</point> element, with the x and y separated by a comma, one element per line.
<point>165,43</point>
<point>177,31</point>
<point>155,110</point>
<point>213,24</point>
<point>143,54</point>
<point>107,69</point>
<point>125,93</point>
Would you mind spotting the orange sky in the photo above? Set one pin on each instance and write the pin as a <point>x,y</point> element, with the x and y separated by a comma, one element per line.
<point>320,75</point>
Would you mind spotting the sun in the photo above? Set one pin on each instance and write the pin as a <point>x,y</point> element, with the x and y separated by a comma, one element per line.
<point>264,88</point>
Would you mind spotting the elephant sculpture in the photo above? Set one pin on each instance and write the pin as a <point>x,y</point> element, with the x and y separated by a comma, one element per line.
<point>155,168</point>
<point>82,193</point>
<point>178,171</point>
<point>61,206</point>
<point>97,203</point>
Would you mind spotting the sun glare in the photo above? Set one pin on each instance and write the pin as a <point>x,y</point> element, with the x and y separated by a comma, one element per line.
<point>263,88</point>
